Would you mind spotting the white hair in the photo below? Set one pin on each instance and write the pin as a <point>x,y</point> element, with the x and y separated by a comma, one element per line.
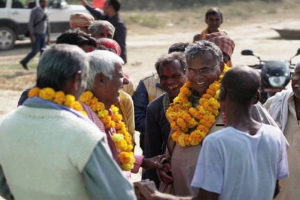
<point>101,26</point>
<point>102,61</point>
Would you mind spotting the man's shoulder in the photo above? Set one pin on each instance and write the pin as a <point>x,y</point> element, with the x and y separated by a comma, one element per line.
<point>157,103</point>
<point>219,135</point>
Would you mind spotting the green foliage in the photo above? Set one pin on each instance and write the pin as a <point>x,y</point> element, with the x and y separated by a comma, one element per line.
<point>177,4</point>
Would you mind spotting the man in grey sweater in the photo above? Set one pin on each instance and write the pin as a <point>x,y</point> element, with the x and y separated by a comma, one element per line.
<point>39,28</point>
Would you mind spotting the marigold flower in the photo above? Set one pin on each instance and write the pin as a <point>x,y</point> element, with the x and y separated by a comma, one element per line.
<point>76,106</point>
<point>98,107</point>
<point>86,96</point>
<point>116,117</point>
<point>33,92</point>
<point>117,137</point>
<point>180,140</point>
<point>103,113</point>
<point>69,101</point>
<point>127,167</point>
<point>47,94</point>
<point>60,98</point>
<point>126,157</point>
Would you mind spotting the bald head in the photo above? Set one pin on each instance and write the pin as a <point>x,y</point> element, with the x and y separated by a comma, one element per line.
<point>241,85</point>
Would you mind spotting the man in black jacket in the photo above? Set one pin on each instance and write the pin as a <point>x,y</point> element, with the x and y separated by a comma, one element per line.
<point>110,13</point>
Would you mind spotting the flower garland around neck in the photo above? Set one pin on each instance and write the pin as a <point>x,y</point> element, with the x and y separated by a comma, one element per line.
<point>59,97</point>
<point>121,138</point>
<point>191,125</point>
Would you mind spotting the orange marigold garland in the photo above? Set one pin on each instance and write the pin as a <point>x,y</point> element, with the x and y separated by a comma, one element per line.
<point>191,125</point>
<point>56,97</point>
<point>122,138</point>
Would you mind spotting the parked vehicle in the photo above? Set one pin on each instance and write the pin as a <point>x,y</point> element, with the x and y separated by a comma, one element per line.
<point>275,74</point>
<point>14,17</point>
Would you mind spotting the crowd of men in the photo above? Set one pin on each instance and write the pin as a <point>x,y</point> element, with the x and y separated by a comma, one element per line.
<point>204,135</point>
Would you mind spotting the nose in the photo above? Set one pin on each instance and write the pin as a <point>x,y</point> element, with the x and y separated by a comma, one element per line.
<point>125,81</point>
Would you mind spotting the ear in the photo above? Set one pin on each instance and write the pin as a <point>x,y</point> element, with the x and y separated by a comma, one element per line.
<point>73,84</point>
<point>222,65</point>
<point>257,97</point>
<point>77,81</point>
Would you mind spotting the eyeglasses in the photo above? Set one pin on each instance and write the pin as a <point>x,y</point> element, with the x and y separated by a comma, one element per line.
<point>203,71</point>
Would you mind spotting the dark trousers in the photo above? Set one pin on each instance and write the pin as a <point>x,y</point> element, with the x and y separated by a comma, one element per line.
<point>37,46</point>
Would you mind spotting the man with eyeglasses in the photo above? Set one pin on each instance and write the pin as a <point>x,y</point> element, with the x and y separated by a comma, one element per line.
<point>204,67</point>
<point>284,107</point>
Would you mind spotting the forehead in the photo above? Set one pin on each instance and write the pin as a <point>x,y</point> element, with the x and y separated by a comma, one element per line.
<point>170,67</point>
<point>204,60</point>
<point>213,16</point>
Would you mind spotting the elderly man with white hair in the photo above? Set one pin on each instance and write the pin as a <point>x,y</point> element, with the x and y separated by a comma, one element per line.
<point>48,148</point>
<point>105,80</point>
<point>102,29</point>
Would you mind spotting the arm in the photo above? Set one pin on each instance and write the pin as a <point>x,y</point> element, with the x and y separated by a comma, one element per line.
<point>277,189</point>
<point>140,102</point>
<point>209,175</point>
<point>31,25</point>
<point>120,37</point>
<point>97,14</point>
<point>4,189</point>
<point>103,178</point>
<point>48,30</point>
<point>152,138</point>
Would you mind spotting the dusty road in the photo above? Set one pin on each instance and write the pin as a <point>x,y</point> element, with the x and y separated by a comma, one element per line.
<point>145,49</point>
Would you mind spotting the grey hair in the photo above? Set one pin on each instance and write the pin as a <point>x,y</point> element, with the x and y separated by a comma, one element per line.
<point>59,63</point>
<point>102,61</point>
<point>101,26</point>
<point>201,48</point>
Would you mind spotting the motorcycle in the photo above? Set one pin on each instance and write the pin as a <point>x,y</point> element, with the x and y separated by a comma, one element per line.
<point>275,74</point>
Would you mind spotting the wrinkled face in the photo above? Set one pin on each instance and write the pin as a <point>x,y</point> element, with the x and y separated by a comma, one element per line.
<point>111,87</point>
<point>213,22</point>
<point>296,82</point>
<point>172,77</point>
<point>203,71</point>
<point>104,34</point>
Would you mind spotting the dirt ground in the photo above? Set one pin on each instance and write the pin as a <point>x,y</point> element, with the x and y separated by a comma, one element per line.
<point>143,50</point>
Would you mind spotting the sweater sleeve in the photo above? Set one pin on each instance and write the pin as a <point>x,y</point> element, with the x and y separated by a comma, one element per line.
<point>103,177</point>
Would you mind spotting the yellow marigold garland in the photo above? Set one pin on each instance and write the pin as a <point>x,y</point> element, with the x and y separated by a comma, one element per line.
<point>122,138</point>
<point>191,125</point>
<point>56,97</point>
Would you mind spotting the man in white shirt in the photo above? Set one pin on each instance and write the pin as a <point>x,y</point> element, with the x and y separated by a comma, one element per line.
<point>244,160</point>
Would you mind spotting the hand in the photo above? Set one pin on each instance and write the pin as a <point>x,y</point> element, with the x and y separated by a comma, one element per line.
<point>197,37</point>
<point>84,2</point>
<point>32,38</point>
<point>48,40</point>
<point>162,196</point>
<point>165,173</point>
<point>152,163</point>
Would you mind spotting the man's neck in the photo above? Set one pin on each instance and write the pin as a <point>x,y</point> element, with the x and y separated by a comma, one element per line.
<point>240,118</point>
<point>212,30</point>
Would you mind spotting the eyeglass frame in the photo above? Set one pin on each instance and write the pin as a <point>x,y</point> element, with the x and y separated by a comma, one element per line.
<point>201,71</point>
